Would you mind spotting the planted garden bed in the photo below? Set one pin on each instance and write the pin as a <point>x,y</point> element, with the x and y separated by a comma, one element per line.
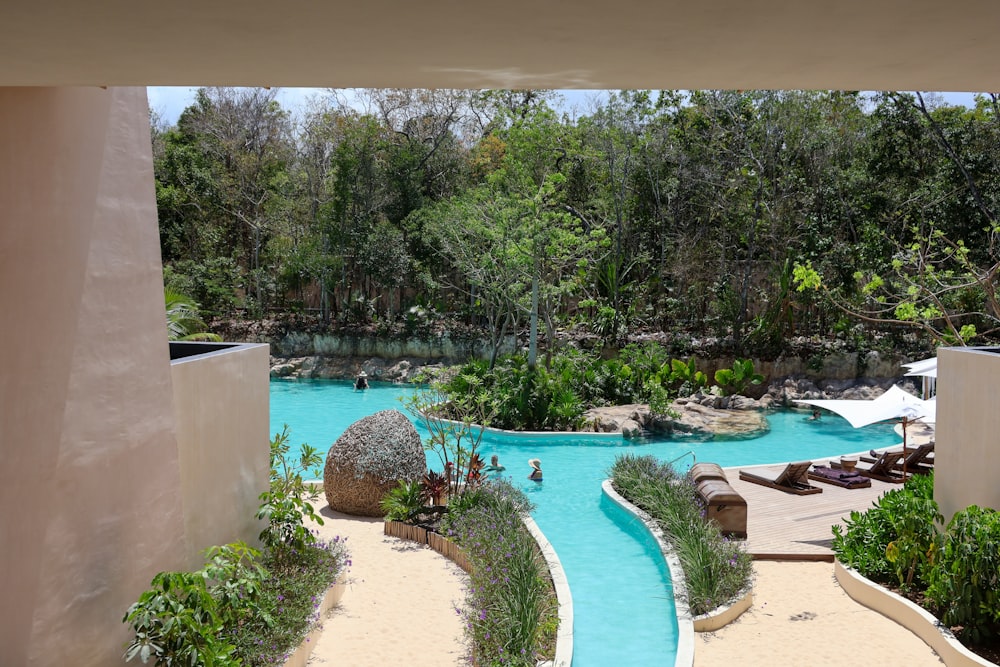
<point>954,572</point>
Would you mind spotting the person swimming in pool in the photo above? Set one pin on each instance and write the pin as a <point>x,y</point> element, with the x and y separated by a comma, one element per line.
<point>536,470</point>
<point>361,382</point>
<point>494,467</point>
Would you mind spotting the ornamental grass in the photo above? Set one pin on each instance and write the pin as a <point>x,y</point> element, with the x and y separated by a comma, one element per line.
<point>717,570</point>
<point>510,611</point>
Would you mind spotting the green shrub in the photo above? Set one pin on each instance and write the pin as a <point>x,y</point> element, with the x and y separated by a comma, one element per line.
<point>716,570</point>
<point>243,608</point>
<point>287,503</point>
<point>177,622</point>
<point>685,378</point>
<point>289,599</point>
<point>965,582</point>
<point>892,541</point>
<point>735,380</point>
<point>405,502</point>
<point>897,541</point>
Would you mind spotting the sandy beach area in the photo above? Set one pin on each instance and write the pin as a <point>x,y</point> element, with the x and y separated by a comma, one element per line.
<point>801,616</point>
<point>400,604</point>
<point>400,609</point>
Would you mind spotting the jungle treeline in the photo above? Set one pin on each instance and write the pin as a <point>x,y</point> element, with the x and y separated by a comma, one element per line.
<point>752,216</point>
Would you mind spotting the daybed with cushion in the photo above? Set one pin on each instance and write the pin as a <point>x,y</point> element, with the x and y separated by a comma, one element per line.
<point>842,478</point>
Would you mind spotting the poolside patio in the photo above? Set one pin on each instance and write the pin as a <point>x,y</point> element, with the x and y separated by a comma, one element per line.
<point>784,526</point>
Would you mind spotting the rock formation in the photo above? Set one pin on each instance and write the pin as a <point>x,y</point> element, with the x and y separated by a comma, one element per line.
<point>725,417</point>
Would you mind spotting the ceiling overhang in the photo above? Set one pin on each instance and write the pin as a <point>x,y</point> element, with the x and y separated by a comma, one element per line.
<point>848,44</point>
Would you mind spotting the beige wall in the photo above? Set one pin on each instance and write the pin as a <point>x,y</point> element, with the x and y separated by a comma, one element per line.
<point>88,454</point>
<point>222,405</point>
<point>967,453</point>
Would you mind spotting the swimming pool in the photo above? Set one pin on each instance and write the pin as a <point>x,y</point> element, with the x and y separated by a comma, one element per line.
<point>622,615</point>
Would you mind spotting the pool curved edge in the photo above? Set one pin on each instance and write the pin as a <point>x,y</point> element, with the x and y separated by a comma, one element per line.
<point>585,435</point>
<point>685,624</point>
<point>914,618</point>
<point>564,636</point>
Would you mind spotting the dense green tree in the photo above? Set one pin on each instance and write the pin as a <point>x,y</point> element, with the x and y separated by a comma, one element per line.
<point>680,212</point>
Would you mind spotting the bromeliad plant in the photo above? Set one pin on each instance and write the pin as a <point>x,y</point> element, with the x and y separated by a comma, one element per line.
<point>434,486</point>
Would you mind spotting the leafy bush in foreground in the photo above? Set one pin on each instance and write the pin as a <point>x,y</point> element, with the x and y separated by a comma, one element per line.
<point>893,540</point>
<point>965,581</point>
<point>956,572</point>
<point>288,501</point>
<point>289,601</point>
<point>716,570</point>
<point>243,608</point>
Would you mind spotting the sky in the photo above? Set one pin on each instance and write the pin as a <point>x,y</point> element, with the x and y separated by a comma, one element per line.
<point>169,102</point>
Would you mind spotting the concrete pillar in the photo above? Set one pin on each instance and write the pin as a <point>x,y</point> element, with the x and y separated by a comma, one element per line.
<point>88,455</point>
<point>966,459</point>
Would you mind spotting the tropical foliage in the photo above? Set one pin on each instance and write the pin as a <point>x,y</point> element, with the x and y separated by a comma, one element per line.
<point>952,571</point>
<point>243,607</point>
<point>288,502</point>
<point>183,321</point>
<point>680,212</point>
<point>512,396</point>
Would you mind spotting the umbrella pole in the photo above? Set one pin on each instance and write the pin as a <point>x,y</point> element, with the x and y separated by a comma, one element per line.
<point>904,448</point>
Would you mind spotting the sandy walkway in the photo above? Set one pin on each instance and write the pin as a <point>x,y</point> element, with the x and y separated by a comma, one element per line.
<point>399,608</point>
<point>802,616</point>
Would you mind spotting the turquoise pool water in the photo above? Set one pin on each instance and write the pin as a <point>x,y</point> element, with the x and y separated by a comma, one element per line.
<point>623,607</point>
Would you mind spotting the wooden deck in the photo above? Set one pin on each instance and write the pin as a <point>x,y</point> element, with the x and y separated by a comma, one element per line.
<point>784,526</point>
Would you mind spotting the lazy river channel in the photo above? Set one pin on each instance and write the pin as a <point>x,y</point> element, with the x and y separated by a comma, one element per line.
<point>622,601</point>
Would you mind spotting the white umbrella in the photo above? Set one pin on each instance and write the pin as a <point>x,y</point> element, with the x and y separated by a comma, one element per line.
<point>922,368</point>
<point>926,370</point>
<point>890,406</point>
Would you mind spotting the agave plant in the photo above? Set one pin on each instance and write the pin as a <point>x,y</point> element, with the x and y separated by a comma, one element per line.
<point>475,474</point>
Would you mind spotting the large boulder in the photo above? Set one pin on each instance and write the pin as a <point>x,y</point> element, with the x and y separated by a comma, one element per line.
<point>372,456</point>
<point>735,416</point>
<point>738,418</point>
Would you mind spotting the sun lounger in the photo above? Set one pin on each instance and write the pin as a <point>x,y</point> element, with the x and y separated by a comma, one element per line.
<point>793,479</point>
<point>920,459</point>
<point>842,478</point>
<point>882,469</point>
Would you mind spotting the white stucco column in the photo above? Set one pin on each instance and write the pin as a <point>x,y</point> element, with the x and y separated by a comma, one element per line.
<point>88,456</point>
<point>966,461</point>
